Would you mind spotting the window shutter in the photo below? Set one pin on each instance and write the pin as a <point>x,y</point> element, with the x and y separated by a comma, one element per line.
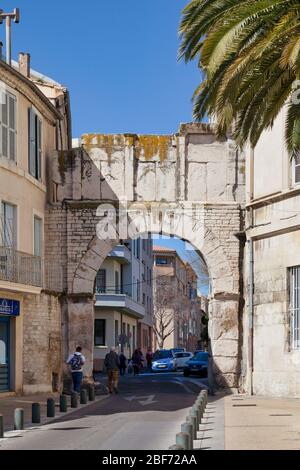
<point>32,142</point>
<point>39,149</point>
<point>12,128</point>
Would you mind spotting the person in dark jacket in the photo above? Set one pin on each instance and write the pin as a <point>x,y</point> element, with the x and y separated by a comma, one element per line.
<point>112,364</point>
<point>137,362</point>
<point>123,364</point>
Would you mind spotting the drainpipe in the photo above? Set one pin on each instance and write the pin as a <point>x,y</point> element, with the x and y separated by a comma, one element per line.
<point>251,275</point>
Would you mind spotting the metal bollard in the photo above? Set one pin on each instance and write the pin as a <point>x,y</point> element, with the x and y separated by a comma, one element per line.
<point>19,419</point>
<point>83,397</point>
<point>1,427</point>
<point>50,408</point>
<point>74,400</point>
<point>176,447</point>
<point>182,440</point>
<point>63,404</point>
<point>36,413</point>
<point>92,393</point>
<point>193,421</point>
<point>189,429</point>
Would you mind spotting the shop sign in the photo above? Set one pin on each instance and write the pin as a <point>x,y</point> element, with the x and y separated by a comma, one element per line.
<point>9,307</point>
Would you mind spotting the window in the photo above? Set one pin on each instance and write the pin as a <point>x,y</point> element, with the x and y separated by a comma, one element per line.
<point>101,281</point>
<point>133,338</point>
<point>138,286</point>
<point>100,326</point>
<point>35,144</point>
<point>128,335</point>
<point>138,251</point>
<point>117,282</point>
<point>8,126</point>
<point>296,169</point>
<point>116,333</point>
<point>295,306</point>
<point>8,225</point>
<point>38,237</point>
<point>163,261</point>
<point>144,299</point>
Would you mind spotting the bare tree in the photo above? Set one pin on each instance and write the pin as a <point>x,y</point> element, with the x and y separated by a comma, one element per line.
<point>168,309</point>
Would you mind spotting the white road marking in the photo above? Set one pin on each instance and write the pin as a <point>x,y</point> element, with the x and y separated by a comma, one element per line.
<point>145,400</point>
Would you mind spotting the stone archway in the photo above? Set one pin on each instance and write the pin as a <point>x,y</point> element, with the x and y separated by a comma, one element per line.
<point>158,171</point>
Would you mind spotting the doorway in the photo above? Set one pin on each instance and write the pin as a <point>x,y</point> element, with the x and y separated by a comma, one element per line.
<point>4,354</point>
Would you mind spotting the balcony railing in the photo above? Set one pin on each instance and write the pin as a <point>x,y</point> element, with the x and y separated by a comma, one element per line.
<point>114,298</point>
<point>23,268</point>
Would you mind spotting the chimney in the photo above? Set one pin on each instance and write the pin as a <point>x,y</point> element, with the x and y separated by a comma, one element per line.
<point>24,64</point>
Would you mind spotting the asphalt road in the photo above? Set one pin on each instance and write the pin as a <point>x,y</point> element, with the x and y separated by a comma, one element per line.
<point>146,415</point>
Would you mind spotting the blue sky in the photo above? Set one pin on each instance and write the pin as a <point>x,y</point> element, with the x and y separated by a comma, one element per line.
<point>118,59</point>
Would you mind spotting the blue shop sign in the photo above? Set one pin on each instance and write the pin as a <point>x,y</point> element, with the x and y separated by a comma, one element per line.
<point>9,307</point>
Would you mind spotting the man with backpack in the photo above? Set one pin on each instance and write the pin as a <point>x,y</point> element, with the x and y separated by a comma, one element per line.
<point>76,362</point>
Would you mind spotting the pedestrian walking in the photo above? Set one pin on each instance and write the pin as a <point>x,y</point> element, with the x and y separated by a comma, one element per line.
<point>149,359</point>
<point>137,362</point>
<point>76,362</point>
<point>112,364</point>
<point>123,364</point>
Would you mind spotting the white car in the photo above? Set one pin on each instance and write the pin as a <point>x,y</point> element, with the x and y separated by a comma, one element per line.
<point>181,358</point>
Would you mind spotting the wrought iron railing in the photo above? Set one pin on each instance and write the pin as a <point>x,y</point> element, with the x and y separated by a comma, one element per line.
<point>23,268</point>
<point>19,267</point>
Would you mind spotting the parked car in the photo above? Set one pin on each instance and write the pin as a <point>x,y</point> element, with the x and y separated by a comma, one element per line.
<point>176,350</point>
<point>197,365</point>
<point>163,361</point>
<point>181,358</point>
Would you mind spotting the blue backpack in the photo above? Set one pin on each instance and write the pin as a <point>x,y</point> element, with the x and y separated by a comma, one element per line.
<point>76,362</point>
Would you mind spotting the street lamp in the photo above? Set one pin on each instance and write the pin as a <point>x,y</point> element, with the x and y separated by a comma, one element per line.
<point>15,16</point>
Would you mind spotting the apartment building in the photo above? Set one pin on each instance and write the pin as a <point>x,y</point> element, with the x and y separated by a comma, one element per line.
<point>177,305</point>
<point>32,125</point>
<point>123,308</point>
<point>271,352</point>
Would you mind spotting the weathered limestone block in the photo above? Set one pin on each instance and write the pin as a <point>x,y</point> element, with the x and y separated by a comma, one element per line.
<point>81,328</point>
<point>228,348</point>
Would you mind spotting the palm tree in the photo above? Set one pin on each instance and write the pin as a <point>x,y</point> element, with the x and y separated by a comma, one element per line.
<point>249,52</point>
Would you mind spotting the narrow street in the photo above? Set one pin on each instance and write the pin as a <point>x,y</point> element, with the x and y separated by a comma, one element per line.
<point>145,415</point>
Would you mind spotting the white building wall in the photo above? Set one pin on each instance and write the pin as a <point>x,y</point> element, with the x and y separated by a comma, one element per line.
<point>276,241</point>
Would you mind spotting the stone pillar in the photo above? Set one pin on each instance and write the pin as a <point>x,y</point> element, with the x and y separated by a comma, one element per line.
<point>224,335</point>
<point>81,328</point>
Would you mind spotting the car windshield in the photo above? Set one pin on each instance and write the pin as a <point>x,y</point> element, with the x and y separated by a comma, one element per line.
<point>201,357</point>
<point>162,355</point>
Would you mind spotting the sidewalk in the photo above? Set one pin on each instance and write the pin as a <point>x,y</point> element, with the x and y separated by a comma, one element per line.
<point>8,406</point>
<point>240,422</point>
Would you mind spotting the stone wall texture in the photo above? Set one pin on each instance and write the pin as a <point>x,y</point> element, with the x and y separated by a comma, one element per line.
<point>42,358</point>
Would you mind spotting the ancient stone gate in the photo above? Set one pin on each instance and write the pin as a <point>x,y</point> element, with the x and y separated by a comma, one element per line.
<point>192,170</point>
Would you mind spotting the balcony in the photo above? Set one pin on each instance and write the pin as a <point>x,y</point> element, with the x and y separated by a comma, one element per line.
<point>22,268</point>
<point>113,299</point>
<point>121,254</point>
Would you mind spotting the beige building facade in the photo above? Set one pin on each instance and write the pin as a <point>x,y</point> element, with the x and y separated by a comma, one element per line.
<point>271,348</point>
<point>30,314</point>
<point>123,308</point>
<point>177,306</point>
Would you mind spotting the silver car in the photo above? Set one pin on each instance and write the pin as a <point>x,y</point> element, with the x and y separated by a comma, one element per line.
<point>163,361</point>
